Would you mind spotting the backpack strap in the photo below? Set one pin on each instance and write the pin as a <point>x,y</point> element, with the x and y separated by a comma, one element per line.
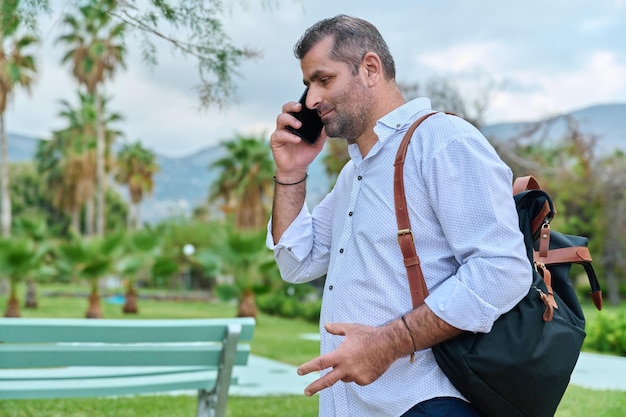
<point>417,285</point>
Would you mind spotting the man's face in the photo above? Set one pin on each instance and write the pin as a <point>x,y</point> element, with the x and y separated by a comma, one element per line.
<point>342,99</point>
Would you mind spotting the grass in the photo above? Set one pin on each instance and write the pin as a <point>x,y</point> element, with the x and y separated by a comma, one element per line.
<point>275,338</point>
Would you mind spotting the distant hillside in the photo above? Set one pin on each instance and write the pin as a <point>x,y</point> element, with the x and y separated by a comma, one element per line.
<point>21,148</point>
<point>606,122</point>
<point>185,182</point>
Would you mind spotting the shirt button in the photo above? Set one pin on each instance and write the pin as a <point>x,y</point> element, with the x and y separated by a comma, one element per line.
<point>359,177</point>
<point>398,125</point>
<point>341,250</point>
<point>330,287</point>
<point>350,214</point>
<point>289,248</point>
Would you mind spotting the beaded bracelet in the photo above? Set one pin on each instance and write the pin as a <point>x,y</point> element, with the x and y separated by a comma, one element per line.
<point>291,183</point>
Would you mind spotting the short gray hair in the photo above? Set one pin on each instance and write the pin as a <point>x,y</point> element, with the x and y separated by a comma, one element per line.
<point>352,39</point>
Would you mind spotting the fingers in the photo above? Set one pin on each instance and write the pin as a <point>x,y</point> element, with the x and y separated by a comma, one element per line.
<point>316,364</point>
<point>337,329</point>
<point>327,381</point>
<point>286,118</point>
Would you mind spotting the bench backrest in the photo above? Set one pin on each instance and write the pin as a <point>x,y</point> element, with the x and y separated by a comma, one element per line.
<point>33,343</point>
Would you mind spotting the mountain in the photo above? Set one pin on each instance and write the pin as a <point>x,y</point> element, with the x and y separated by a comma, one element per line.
<point>183,183</point>
<point>606,122</point>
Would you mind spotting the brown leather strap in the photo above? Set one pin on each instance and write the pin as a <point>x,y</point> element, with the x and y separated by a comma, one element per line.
<point>525,183</point>
<point>530,183</point>
<point>574,254</point>
<point>417,285</point>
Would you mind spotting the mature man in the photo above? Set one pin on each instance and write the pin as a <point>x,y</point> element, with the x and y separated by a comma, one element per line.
<point>464,221</point>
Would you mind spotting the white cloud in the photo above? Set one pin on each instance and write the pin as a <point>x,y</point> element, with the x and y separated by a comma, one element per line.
<point>465,57</point>
<point>600,79</point>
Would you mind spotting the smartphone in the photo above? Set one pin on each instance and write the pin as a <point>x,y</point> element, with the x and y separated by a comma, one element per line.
<point>311,122</point>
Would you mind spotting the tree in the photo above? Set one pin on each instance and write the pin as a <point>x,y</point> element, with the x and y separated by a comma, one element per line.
<point>68,160</point>
<point>446,96</point>
<point>36,230</point>
<point>95,49</point>
<point>588,190</point>
<point>613,177</point>
<point>244,259</point>
<point>203,38</point>
<point>20,258</point>
<point>136,167</point>
<point>245,182</point>
<point>17,68</point>
<point>91,259</point>
<point>142,248</point>
<point>31,202</point>
<point>336,158</point>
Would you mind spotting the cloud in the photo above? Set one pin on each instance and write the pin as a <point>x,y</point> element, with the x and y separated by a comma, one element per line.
<point>465,58</point>
<point>543,58</point>
<point>601,78</point>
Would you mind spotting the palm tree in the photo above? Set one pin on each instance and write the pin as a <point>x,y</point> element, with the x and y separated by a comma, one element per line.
<point>16,69</point>
<point>20,257</point>
<point>244,259</point>
<point>90,259</point>
<point>136,167</point>
<point>336,157</point>
<point>245,182</point>
<point>35,229</point>
<point>68,160</point>
<point>141,252</point>
<point>96,48</point>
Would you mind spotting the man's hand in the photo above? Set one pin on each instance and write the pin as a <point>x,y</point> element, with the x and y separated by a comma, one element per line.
<point>364,355</point>
<point>291,154</point>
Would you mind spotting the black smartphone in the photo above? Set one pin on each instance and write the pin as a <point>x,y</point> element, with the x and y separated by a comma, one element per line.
<point>311,122</point>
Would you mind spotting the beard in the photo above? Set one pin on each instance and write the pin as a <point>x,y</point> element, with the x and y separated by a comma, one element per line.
<point>351,111</point>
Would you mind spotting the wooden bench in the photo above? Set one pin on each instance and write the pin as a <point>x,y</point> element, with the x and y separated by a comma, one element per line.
<point>65,358</point>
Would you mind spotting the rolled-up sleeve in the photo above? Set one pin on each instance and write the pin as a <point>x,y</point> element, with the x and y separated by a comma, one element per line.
<point>478,218</point>
<point>303,250</point>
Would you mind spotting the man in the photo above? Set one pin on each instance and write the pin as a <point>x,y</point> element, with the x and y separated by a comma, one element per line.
<point>461,208</point>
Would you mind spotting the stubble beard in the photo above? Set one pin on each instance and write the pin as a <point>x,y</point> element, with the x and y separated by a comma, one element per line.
<point>351,112</point>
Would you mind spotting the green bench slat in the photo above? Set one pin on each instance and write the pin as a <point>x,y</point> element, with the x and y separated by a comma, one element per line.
<point>98,387</point>
<point>90,372</point>
<point>42,355</point>
<point>120,331</point>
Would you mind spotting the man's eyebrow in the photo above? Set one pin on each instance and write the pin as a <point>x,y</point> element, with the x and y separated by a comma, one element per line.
<point>314,77</point>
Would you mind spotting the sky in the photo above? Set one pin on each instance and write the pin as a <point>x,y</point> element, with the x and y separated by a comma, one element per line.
<point>537,58</point>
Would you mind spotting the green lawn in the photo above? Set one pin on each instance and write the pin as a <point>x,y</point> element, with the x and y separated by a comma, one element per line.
<point>274,338</point>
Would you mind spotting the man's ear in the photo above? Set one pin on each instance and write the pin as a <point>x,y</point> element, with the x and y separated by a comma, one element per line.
<point>373,68</point>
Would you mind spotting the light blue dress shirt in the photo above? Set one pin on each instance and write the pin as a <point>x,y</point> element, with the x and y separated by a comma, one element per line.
<point>466,232</point>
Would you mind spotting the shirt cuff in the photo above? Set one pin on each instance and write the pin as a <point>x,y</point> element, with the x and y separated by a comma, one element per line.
<point>296,240</point>
<point>462,308</point>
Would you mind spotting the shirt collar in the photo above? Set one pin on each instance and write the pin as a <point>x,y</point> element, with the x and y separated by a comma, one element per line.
<point>396,120</point>
<point>403,116</point>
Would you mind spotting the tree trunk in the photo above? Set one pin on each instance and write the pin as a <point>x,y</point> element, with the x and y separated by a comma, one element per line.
<point>76,220</point>
<point>94,311</point>
<point>89,216</point>
<point>5,192</point>
<point>31,294</point>
<point>100,186</point>
<point>137,212</point>
<point>247,305</point>
<point>13,306</point>
<point>130,307</point>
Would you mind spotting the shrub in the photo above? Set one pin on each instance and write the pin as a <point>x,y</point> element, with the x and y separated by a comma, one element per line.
<point>607,333</point>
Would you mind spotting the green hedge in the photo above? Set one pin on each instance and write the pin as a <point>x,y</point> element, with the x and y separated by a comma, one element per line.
<point>606,332</point>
